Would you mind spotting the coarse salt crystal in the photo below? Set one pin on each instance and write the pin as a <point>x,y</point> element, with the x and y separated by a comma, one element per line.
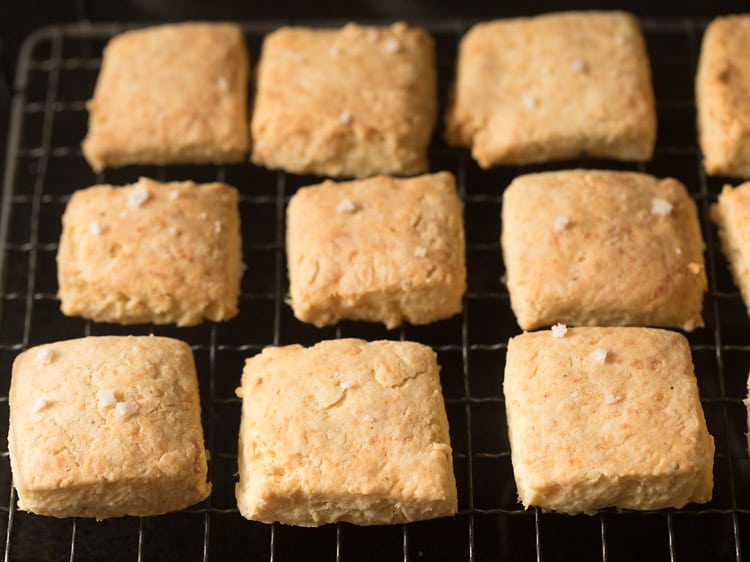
<point>41,403</point>
<point>334,51</point>
<point>599,355</point>
<point>612,398</point>
<point>420,251</point>
<point>559,330</point>
<point>95,228</point>
<point>346,206</point>
<point>372,35</point>
<point>678,251</point>
<point>125,409</point>
<point>217,227</point>
<point>579,65</point>
<point>344,385</point>
<point>661,207</point>
<point>106,398</point>
<point>345,117</point>
<point>222,84</point>
<point>44,356</point>
<point>561,222</point>
<point>204,215</point>
<point>528,101</point>
<point>174,194</point>
<point>695,268</point>
<point>137,196</point>
<point>172,230</point>
<point>368,418</point>
<point>392,45</point>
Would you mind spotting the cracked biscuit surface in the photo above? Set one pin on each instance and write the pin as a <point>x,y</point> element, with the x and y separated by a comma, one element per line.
<point>345,430</point>
<point>151,252</point>
<point>105,427</point>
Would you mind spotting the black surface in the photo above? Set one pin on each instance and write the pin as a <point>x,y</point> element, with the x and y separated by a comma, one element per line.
<point>491,525</point>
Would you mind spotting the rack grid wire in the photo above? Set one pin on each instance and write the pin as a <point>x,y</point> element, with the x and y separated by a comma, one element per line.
<point>56,73</point>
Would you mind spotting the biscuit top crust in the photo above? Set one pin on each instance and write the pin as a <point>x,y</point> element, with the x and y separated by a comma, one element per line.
<point>345,417</point>
<point>603,402</point>
<point>375,233</point>
<point>172,87</point>
<point>723,92</point>
<point>106,409</point>
<point>515,78</point>
<point>631,248</point>
<point>326,90</point>
<point>154,242</point>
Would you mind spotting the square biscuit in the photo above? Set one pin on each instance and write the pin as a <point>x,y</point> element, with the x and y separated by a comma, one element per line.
<point>722,86</point>
<point>345,430</point>
<point>105,427</point>
<point>606,417</point>
<point>170,94</point>
<point>151,252</point>
<point>553,87</point>
<point>354,102</point>
<point>732,214</point>
<point>381,249</point>
<point>602,248</point>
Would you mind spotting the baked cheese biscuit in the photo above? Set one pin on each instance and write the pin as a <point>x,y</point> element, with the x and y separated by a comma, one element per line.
<point>723,96</point>
<point>151,252</point>
<point>105,427</point>
<point>381,249</point>
<point>552,87</point>
<point>344,431</point>
<point>355,101</point>
<point>588,247</point>
<point>732,214</point>
<point>606,417</point>
<point>170,94</point>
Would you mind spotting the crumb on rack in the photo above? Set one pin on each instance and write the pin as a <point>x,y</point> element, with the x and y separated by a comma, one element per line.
<point>420,251</point>
<point>660,207</point>
<point>138,196</point>
<point>695,268</point>
<point>559,330</point>
<point>346,206</point>
<point>125,409</point>
<point>561,222</point>
<point>599,355</point>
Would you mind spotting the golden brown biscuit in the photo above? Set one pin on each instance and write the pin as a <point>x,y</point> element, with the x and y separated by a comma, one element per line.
<point>151,252</point>
<point>606,417</point>
<point>732,214</point>
<point>344,431</point>
<point>381,249</point>
<point>355,101</point>
<point>170,94</point>
<point>108,426</point>
<point>551,87</point>
<point>723,96</point>
<point>588,247</point>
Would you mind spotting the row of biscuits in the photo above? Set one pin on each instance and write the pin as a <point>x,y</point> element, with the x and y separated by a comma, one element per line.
<point>361,101</point>
<point>660,217</point>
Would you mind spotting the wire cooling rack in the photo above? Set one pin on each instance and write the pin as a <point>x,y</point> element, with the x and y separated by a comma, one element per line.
<point>56,74</point>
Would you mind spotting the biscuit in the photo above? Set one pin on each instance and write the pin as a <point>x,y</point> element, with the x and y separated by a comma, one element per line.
<point>105,427</point>
<point>381,249</point>
<point>170,94</point>
<point>151,252</point>
<point>345,430</point>
<point>553,87</point>
<point>354,102</point>
<point>606,417</point>
<point>722,96</point>
<point>732,214</point>
<point>588,247</point>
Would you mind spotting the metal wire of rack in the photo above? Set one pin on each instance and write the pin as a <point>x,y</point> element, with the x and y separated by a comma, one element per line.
<point>56,74</point>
